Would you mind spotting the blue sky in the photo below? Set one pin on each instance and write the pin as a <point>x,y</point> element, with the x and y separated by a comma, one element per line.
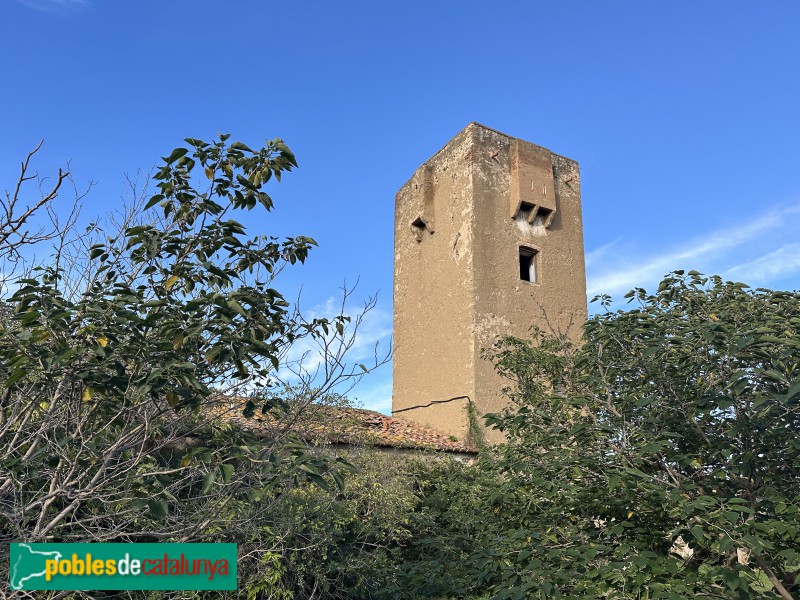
<point>683,116</point>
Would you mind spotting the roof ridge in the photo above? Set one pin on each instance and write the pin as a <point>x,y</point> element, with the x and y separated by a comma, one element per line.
<point>367,426</point>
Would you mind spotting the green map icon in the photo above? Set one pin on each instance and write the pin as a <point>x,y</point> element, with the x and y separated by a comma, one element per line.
<point>27,564</point>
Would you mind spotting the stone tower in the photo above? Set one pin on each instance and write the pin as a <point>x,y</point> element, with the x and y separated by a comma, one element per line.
<point>488,240</point>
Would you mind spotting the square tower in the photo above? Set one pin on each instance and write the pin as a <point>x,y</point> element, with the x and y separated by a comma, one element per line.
<point>488,241</point>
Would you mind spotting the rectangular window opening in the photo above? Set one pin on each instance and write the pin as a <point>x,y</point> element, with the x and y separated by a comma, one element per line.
<point>544,216</point>
<point>527,265</point>
<point>525,209</point>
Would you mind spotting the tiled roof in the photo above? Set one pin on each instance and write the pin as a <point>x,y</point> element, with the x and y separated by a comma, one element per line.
<point>339,425</point>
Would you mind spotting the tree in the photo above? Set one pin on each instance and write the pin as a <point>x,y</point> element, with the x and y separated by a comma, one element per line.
<point>660,459</point>
<point>110,393</point>
<point>16,220</point>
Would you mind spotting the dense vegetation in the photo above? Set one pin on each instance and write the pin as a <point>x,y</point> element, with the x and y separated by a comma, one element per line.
<point>115,353</point>
<point>659,458</point>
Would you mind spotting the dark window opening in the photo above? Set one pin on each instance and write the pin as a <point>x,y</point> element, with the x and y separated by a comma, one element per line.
<point>418,227</point>
<point>525,209</point>
<point>546,215</point>
<point>527,265</point>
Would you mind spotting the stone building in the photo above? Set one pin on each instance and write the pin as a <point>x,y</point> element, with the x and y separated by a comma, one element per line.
<point>488,241</point>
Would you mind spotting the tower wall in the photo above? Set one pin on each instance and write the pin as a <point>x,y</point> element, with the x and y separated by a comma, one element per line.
<point>510,172</point>
<point>458,276</point>
<point>434,361</point>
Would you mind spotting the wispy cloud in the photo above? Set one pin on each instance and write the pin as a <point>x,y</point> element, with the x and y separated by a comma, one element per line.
<point>719,252</point>
<point>773,265</point>
<point>371,343</point>
<point>55,5</point>
<point>598,253</point>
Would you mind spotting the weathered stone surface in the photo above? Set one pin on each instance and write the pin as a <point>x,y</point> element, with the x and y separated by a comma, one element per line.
<point>457,285</point>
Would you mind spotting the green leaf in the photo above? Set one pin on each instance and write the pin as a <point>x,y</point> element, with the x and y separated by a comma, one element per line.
<point>176,154</point>
<point>152,202</point>
<point>233,304</point>
<point>15,377</point>
<point>318,481</point>
<point>697,532</point>
<point>726,544</point>
<point>637,473</point>
<point>731,579</point>
<point>227,472</point>
<point>208,481</point>
<point>774,375</point>
<point>337,477</point>
<point>158,508</point>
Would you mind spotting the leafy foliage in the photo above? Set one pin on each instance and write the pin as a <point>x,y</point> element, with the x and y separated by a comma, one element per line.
<point>658,459</point>
<point>340,543</point>
<point>109,396</point>
<point>661,458</point>
<point>452,525</point>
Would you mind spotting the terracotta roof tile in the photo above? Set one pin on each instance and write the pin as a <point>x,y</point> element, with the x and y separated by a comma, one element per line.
<point>340,425</point>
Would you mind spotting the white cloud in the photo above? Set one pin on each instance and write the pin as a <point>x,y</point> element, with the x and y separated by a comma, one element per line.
<point>595,255</point>
<point>372,342</point>
<point>715,252</point>
<point>778,263</point>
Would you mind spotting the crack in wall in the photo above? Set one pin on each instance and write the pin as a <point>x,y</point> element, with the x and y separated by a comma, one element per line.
<point>431,403</point>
